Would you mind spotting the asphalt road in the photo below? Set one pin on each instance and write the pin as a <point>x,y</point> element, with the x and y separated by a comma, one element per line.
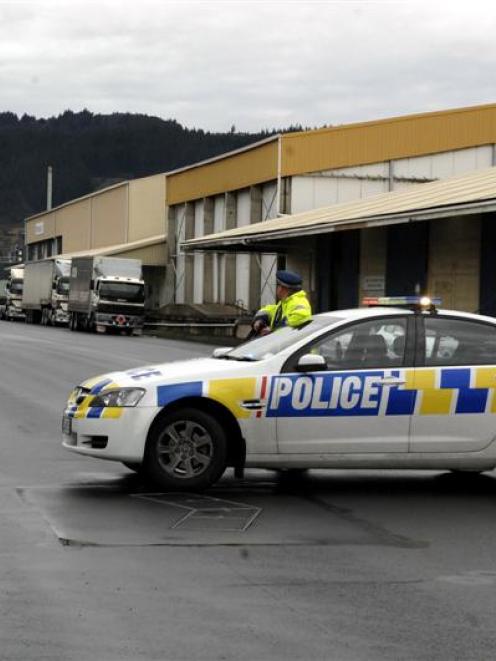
<point>345,566</point>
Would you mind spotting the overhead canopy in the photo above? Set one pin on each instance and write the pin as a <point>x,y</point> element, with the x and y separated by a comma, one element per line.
<point>471,193</point>
<point>151,251</point>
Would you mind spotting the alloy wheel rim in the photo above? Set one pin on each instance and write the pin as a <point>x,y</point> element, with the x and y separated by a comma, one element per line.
<point>185,449</point>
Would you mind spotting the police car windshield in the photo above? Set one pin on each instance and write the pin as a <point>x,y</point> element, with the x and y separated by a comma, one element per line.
<point>269,345</point>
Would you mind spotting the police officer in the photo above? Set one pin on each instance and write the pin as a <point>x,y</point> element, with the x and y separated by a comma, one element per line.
<point>292,307</point>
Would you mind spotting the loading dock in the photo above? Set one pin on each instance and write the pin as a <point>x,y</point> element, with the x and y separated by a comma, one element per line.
<point>436,238</point>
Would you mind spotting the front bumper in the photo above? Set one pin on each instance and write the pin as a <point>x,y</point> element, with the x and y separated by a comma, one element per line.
<point>61,317</point>
<point>119,321</point>
<point>121,438</point>
<point>15,313</point>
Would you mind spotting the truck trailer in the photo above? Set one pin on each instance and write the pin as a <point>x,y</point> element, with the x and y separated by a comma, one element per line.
<point>13,290</point>
<point>106,293</point>
<point>46,291</point>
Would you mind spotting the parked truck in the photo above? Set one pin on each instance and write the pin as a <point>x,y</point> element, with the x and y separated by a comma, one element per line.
<point>106,293</point>
<point>3,298</point>
<point>13,290</point>
<point>46,291</point>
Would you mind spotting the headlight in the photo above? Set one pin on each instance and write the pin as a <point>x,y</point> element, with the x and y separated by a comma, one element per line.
<point>119,398</point>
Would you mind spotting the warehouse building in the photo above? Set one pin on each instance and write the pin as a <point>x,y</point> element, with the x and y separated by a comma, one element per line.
<point>279,179</point>
<point>128,219</point>
<point>438,239</point>
<point>283,178</point>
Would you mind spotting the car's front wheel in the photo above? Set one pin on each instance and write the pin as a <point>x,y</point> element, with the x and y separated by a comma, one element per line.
<point>187,451</point>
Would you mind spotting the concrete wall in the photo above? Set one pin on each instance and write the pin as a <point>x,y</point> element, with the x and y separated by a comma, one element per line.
<point>454,262</point>
<point>373,248</point>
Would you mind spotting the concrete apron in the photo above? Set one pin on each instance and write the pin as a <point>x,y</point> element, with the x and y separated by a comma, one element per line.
<point>110,510</point>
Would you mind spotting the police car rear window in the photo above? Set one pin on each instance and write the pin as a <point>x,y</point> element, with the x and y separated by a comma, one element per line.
<point>451,341</point>
<point>274,343</point>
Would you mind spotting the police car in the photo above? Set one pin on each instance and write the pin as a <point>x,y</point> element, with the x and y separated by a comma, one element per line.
<point>397,384</point>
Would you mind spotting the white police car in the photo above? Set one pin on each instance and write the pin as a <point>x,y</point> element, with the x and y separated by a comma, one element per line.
<point>373,387</point>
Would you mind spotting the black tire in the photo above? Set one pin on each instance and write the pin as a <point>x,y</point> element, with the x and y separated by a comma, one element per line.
<point>186,452</point>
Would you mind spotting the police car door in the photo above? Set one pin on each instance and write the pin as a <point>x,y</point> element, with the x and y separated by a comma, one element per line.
<point>358,404</point>
<point>455,385</point>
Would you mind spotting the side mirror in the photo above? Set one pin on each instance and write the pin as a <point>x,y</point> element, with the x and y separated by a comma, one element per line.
<point>311,362</point>
<point>221,351</point>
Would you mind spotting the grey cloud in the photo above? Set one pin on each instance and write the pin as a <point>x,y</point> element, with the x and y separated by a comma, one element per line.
<point>253,64</point>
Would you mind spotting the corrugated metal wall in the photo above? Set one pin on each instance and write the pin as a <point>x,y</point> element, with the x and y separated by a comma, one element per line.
<point>401,137</point>
<point>231,173</point>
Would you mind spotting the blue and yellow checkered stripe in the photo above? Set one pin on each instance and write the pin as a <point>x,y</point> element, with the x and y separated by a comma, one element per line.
<point>84,409</point>
<point>453,391</point>
<point>425,392</point>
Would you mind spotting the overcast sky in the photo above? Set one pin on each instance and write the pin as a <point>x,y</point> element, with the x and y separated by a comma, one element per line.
<point>252,64</point>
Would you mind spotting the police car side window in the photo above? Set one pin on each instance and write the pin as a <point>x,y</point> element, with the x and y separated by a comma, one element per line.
<point>376,343</point>
<point>459,342</point>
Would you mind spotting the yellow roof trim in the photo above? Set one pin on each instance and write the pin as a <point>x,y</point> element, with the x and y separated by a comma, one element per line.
<point>387,139</point>
<point>336,147</point>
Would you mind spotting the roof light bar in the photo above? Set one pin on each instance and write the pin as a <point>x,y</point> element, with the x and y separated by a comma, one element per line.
<point>420,302</point>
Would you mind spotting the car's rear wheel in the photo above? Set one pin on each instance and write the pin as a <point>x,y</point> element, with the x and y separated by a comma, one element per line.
<point>187,451</point>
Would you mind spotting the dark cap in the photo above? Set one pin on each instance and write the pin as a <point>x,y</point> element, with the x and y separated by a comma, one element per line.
<point>289,279</point>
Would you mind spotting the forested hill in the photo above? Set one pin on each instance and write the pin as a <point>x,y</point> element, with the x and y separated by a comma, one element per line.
<point>89,151</point>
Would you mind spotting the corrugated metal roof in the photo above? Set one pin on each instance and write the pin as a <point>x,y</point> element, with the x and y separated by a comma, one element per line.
<point>116,249</point>
<point>447,197</point>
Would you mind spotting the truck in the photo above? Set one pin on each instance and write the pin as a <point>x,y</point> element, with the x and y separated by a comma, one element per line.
<point>3,297</point>
<point>106,293</point>
<point>46,291</point>
<point>13,290</point>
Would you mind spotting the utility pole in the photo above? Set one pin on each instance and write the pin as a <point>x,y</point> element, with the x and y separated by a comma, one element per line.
<point>49,187</point>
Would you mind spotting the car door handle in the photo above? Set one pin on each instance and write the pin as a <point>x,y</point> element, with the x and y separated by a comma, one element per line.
<point>391,381</point>
<point>252,405</point>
